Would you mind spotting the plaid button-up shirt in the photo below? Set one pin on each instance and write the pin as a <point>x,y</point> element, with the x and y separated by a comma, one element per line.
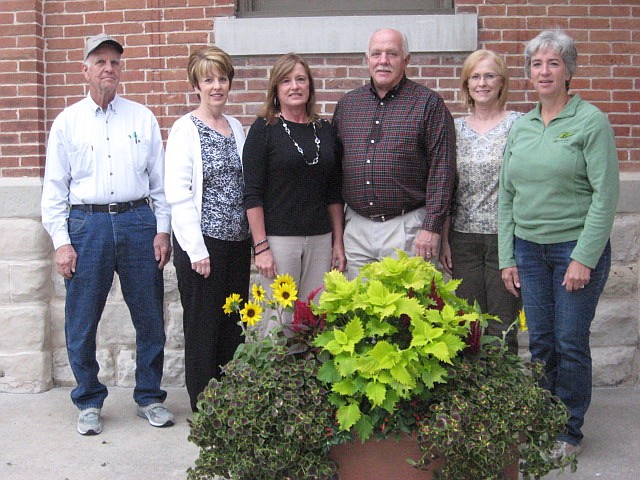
<point>398,153</point>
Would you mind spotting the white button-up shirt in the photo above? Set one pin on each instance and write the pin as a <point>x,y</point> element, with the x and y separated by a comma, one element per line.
<point>101,157</point>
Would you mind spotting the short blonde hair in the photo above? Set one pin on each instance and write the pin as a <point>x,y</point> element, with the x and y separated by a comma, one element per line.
<point>283,66</point>
<point>470,63</point>
<point>203,61</point>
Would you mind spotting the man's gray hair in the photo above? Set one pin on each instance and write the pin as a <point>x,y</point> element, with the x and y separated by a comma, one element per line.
<point>405,41</point>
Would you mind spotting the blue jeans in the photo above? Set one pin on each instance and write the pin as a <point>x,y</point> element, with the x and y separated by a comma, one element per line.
<point>105,244</point>
<point>559,323</point>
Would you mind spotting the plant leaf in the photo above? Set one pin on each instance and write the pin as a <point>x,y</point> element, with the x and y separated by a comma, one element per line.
<point>348,415</point>
<point>376,393</point>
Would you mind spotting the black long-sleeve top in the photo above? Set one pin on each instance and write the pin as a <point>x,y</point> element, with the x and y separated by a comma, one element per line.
<point>294,195</point>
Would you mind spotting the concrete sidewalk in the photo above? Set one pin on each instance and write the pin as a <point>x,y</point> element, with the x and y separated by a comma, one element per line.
<point>38,439</point>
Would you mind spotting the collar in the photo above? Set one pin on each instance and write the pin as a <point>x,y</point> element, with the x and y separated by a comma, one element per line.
<point>97,108</point>
<point>391,93</point>
<point>569,109</point>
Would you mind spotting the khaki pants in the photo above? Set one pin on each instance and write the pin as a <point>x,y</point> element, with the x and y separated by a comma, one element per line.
<point>306,259</point>
<point>366,241</point>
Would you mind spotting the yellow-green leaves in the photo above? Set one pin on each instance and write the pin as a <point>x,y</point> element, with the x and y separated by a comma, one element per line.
<point>390,333</point>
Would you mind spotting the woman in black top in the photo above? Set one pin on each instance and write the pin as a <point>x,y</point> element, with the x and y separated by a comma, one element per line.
<point>292,183</point>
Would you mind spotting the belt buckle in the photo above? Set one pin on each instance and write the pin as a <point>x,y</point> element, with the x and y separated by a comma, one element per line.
<point>113,208</point>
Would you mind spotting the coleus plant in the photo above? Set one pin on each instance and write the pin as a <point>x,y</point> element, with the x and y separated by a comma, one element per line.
<point>390,335</point>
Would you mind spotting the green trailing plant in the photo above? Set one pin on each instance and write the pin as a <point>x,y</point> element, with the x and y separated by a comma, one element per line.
<point>266,418</point>
<point>489,414</point>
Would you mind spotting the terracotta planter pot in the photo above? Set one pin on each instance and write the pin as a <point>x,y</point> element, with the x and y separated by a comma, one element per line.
<point>386,460</point>
<point>380,459</point>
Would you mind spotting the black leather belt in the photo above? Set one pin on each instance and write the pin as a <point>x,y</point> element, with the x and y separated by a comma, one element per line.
<point>111,208</point>
<point>386,217</point>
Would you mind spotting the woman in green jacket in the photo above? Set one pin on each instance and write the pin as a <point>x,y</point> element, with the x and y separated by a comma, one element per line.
<point>558,194</point>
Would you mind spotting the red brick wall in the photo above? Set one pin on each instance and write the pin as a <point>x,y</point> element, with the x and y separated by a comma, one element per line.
<point>41,48</point>
<point>22,96</point>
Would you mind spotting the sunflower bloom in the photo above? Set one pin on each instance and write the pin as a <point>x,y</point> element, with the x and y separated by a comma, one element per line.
<point>251,313</point>
<point>285,294</point>
<point>522,319</point>
<point>284,279</point>
<point>258,293</point>
<point>232,303</point>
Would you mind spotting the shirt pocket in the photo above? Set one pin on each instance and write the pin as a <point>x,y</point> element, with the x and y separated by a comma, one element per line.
<point>138,147</point>
<point>81,159</point>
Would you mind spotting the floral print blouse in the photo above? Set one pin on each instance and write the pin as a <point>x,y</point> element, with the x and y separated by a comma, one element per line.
<point>479,158</point>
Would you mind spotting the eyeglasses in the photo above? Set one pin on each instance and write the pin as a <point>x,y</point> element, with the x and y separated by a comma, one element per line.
<point>487,77</point>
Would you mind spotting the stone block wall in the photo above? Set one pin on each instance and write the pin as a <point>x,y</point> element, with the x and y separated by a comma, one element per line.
<point>25,290</point>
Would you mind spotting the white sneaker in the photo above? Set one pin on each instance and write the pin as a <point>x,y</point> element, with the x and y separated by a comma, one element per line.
<point>157,414</point>
<point>563,450</point>
<point>89,422</point>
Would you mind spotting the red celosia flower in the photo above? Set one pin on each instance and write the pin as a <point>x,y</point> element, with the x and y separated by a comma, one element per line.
<point>303,317</point>
<point>473,339</point>
<point>435,297</point>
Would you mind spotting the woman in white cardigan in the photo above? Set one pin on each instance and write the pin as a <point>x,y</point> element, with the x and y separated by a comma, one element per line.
<point>212,252</point>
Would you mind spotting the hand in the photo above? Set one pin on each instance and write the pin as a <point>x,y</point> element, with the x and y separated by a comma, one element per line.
<point>65,259</point>
<point>266,264</point>
<point>203,267</point>
<point>576,276</point>
<point>445,258</point>
<point>338,258</point>
<point>162,249</point>
<point>511,280</point>
<point>426,245</point>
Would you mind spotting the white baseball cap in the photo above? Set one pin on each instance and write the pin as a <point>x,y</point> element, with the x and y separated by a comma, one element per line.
<point>94,42</point>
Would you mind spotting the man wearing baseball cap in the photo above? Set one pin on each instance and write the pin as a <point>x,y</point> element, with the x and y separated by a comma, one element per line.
<point>103,205</point>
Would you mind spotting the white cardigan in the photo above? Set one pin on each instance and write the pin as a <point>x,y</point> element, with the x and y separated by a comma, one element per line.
<point>183,182</point>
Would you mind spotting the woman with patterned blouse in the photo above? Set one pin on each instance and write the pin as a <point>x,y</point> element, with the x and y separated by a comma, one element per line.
<point>470,237</point>
<point>204,186</point>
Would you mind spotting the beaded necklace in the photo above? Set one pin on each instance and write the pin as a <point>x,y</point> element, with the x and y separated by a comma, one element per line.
<point>317,141</point>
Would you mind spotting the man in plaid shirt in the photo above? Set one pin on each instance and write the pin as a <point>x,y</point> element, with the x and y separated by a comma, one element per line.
<point>398,159</point>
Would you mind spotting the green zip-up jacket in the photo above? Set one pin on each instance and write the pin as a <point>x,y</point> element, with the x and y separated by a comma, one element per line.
<point>559,183</point>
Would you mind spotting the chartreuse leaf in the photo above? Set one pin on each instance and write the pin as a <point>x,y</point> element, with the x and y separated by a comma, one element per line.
<point>382,356</point>
<point>402,375</point>
<point>410,307</point>
<point>338,292</point>
<point>438,349</point>
<point>354,331</point>
<point>378,327</point>
<point>390,401</point>
<point>377,300</point>
<point>454,343</point>
<point>328,373</point>
<point>348,415</point>
<point>424,333</point>
<point>345,387</point>
<point>338,341</point>
<point>345,365</point>
<point>376,393</point>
